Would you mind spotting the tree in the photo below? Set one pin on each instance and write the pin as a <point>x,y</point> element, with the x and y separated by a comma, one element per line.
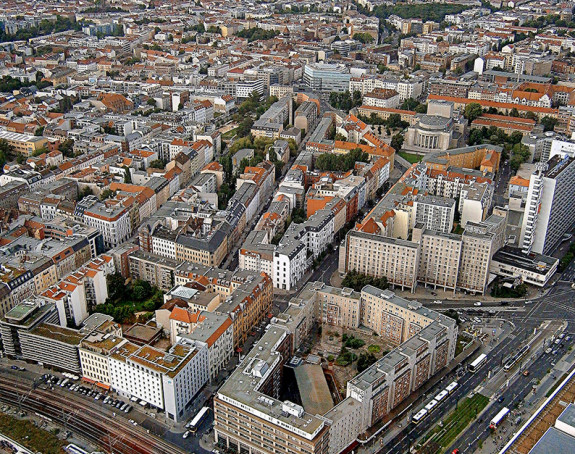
<point>39,131</point>
<point>84,192</point>
<point>365,360</point>
<point>422,109</point>
<point>151,102</point>
<point>116,286</point>
<point>514,112</point>
<point>127,175</point>
<point>364,38</point>
<point>329,161</point>
<point>397,142</point>
<point>357,281</point>
<point>409,104</point>
<point>548,123</point>
<point>107,193</point>
<point>472,111</point>
<point>6,150</point>
<point>67,148</point>
<point>158,164</point>
<point>519,154</point>
<point>395,121</point>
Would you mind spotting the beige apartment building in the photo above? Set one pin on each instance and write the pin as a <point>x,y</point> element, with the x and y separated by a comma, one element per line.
<point>24,144</point>
<point>477,250</point>
<point>380,256</point>
<point>433,258</point>
<point>440,255</point>
<point>338,307</point>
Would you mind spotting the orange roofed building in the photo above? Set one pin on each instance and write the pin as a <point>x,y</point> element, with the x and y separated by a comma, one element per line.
<point>213,330</point>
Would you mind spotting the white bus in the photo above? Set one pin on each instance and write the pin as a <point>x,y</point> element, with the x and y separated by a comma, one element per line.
<point>419,416</point>
<point>476,365</point>
<point>442,395</point>
<point>451,387</point>
<point>195,423</point>
<point>499,417</point>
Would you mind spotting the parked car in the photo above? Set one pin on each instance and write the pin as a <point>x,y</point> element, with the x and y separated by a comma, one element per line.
<point>478,303</point>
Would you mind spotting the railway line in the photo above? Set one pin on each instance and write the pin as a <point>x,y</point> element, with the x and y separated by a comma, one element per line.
<point>99,426</point>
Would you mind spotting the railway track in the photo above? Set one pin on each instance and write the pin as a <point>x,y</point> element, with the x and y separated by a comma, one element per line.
<point>113,435</point>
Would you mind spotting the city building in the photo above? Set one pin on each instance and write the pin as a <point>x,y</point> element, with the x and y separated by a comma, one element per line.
<point>549,213</point>
<point>248,407</point>
<point>326,77</point>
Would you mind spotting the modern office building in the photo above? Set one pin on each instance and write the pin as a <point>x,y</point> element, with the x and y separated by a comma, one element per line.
<point>167,380</point>
<point>326,77</point>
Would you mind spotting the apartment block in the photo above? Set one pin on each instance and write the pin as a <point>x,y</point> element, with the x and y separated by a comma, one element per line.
<point>249,414</point>
<point>379,256</point>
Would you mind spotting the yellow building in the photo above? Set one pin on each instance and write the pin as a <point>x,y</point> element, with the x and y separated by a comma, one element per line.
<point>24,144</point>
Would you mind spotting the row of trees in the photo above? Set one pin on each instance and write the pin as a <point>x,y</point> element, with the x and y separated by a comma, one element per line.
<point>345,101</point>
<point>45,27</point>
<point>339,163</point>
<point>430,11</point>
<point>256,34</point>
<point>394,121</point>
<point>9,84</point>
<point>357,281</point>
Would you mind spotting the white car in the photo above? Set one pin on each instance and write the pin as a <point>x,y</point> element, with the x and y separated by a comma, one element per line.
<point>186,434</point>
<point>478,303</point>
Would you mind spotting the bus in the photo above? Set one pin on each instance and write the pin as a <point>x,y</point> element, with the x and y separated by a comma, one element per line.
<point>442,395</point>
<point>419,416</point>
<point>499,417</point>
<point>451,387</point>
<point>515,358</point>
<point>476,365</point>
<point>195,423</point>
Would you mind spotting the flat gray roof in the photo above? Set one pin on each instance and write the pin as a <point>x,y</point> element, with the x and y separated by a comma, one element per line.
<point>554,441</point>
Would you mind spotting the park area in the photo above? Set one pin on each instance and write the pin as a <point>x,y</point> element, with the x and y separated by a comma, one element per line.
<point>412,158</point>
<point>130,303</point>
<point>349,352</point>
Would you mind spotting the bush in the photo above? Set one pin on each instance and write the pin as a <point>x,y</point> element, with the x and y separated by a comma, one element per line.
<point>374,349</point>
<point>352,342</point>
<point>345,358</point>
<point>365,360</point>
<point>357,281</point>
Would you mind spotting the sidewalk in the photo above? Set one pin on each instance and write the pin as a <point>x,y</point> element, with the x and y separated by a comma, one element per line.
<point>422,293</point>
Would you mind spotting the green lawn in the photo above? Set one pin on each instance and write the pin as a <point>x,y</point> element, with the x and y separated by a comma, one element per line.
<point>229,134</point>
<point>30,436</point>
<point>467,410</point>
<point>410,157</point>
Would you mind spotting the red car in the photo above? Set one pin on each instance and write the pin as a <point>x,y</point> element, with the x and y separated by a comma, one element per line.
<point>455,451</point>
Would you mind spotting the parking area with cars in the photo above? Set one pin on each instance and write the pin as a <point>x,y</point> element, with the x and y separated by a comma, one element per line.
<point>70,382</point>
